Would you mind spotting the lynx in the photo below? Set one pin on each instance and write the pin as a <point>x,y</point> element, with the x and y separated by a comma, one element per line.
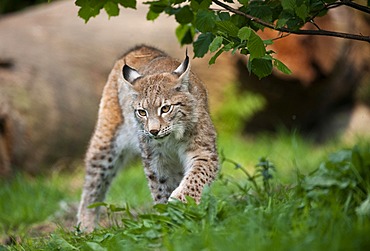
<point>154,106</point>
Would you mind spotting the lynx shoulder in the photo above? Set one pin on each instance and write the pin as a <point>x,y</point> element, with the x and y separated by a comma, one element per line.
<point>155,107</point>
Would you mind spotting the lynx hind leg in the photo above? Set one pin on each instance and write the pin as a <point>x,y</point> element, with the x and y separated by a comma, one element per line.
<point>101,166</point>
<point>103,159</point>
<point>102,156</point>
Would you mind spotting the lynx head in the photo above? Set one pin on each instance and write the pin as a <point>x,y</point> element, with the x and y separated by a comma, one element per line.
<point>162,102</point>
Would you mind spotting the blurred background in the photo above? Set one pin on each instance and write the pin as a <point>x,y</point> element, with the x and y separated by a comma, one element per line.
<point>53,68</point>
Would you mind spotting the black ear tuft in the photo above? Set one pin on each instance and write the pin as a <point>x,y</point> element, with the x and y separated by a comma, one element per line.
<point>130,74</point>
<point>183,67</point>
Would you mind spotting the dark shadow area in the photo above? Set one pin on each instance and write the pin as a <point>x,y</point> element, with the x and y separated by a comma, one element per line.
<point>8,6</point>
<point>294,106</point>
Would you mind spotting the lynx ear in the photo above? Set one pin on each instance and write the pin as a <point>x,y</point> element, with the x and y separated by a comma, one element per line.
<point>183,70</point>
<point>130,74</point>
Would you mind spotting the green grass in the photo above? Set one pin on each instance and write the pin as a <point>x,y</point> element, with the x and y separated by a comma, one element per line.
<point>289,150</point>
<point>328,209</point>
<point>26,201</point>
<point>316,198</point>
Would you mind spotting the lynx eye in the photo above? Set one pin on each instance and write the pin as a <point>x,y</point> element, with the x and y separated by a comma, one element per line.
<point>165,108</point>
<point>141,112</point>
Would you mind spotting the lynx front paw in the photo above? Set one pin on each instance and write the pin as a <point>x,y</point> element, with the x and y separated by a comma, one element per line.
<point>86,219</point>
<point>86,225</point>
<point>180,194</point>
<point>177,195</point>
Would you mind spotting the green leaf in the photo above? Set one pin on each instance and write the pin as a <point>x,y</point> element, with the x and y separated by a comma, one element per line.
<point>214,57</point>
<point>114,208</point>
<point>185,34</point>
<point>185,15</point>
<point>158,6</point>
<point>255,46</point>
<point>98,204</point>
<point>289,4</point>
<point>239,21</point>
<point>244,33</point>
<point>244,2</point>
<point>228,46</point>
<point>151,15</point>
<point>223,16</point>
<point>261,67</point>
<point>281,67</point>
<point>262,12</point>
<point>227,27</point>
<point>127,3</point>
<point>111,8</point>
<point>155,9</point>
<point>202,44</point>
<point>268,42</point>
<point>364,208</point>
<point>281,22</point>
<point>216,43</point>
<point>95,246</point>
<point>177,1</point>
<point>200,4</point>
<point>302,12</point>
<point>88,8</point>
<point>62,243</point>
<point>205,20</point>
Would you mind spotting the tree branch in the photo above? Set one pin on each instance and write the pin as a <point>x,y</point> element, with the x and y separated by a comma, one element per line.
<point>356,6</point>
<point>297,32</point>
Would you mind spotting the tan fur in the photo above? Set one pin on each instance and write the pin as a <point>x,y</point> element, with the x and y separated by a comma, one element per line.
<point>158,109</point>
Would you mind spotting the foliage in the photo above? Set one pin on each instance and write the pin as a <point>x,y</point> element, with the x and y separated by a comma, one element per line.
<point>344,176</point>
<point>91,8</point>
<point>221,26</point>
<point>257,212</point>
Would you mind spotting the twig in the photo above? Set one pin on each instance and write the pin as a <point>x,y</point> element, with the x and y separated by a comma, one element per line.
<point>356,6</point>
<point>315,24</point>
<point>282,35</point>
<point>297,32</point>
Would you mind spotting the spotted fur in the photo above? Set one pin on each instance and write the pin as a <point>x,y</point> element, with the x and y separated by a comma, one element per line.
<point>155,107</point>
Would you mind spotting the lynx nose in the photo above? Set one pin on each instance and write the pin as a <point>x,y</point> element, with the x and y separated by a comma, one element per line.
<point>154,132</point>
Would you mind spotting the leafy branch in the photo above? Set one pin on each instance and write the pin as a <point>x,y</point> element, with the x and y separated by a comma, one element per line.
<point>233,28</point>
<point>318,32</point>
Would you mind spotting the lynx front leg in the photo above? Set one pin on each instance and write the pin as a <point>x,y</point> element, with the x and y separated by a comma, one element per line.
<point>158,187</point>
<point>201,171</point>
<point>163,176</point>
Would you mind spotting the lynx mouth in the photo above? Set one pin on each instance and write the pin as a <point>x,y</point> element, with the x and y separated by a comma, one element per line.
<point>160,137</point>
